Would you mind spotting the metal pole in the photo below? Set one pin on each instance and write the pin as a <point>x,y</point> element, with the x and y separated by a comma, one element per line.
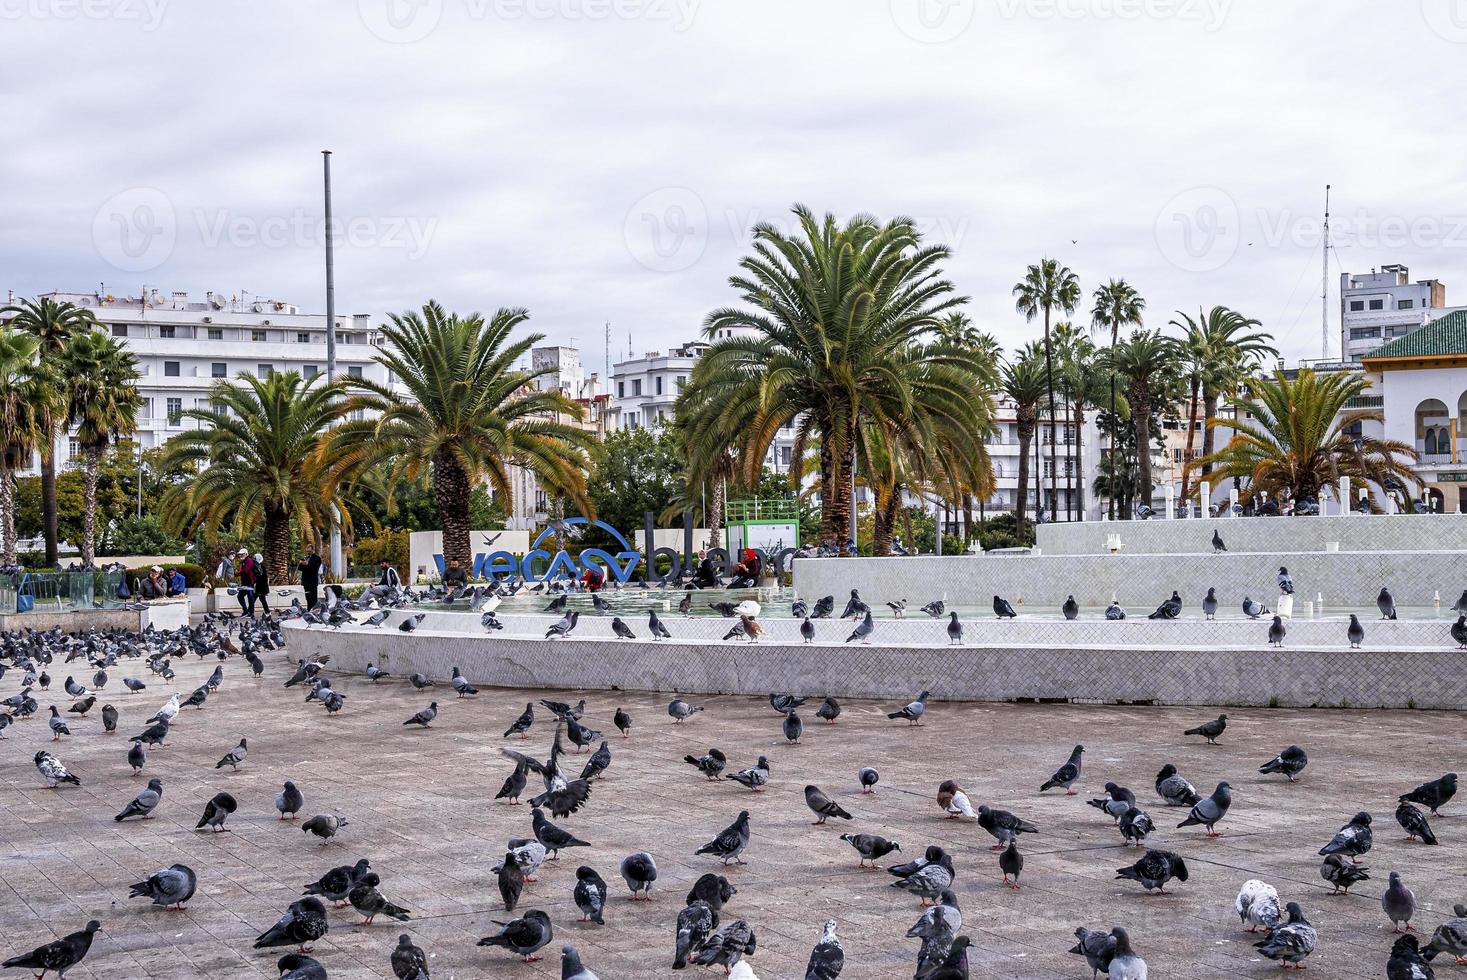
<point>1324,285</point>
<point>336,556</point>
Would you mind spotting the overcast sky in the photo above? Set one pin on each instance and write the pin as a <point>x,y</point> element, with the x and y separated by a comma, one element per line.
<point>603,160</point>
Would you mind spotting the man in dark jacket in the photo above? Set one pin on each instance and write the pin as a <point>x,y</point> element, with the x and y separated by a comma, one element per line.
<point>454,576</point>
<point>310,569</point>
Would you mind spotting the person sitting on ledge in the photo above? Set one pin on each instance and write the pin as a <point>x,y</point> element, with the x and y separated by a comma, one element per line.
<point>155,586</point>
<point>454,576</point>
<point>746,572</point>
<point>592,578</point>
<point>707,574</point>
<point>177,584</point>
<point>389,577</point>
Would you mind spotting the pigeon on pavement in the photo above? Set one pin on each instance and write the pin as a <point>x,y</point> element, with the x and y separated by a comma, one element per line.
<point>1291,761</point>
<point>1291,943</point>
<point>1210,730</point>
<point>1209,811</point>
<point>1155,869</point>
<point>1065,776</point>
<point>170,886</point>
<point>61,955</point>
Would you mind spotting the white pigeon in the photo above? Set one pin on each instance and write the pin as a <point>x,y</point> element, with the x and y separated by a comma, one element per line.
<point>1258,905</point>
<point>748,608</point>
<point>168,710</point>
<point>742,971</point>
<point>960,807</point>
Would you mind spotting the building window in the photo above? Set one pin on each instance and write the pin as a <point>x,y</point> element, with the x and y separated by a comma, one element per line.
<point>659,384</point>
<point>216,333</point>
<point>621,389</point>
<point>264,370</point>
<point>147,409</point>
<point>784,453</point>
<point>302,338</point>
<point>1377,304</point>
<point>219,408</point>
<point>170,369</point>
<point>355,371</point>
<point>168,333</point>
<point>1364,333</point>
<point>1357,306</point>
<point>1405,304</point>
<point>73,448</point>
<point>682,379</point>
<point>257,336</point>
<point>119,330</point>
<point>636,388</point>
<point>175,410</point>
<point>661,417</point>
<point>311,371</point>
<point>218,369</point>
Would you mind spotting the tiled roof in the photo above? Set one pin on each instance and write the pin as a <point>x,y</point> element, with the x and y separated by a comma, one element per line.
<point>1445,337</point>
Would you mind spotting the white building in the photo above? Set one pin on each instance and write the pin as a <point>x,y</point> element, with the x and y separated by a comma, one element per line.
<point>1003,450</point>
<point>184,346</point>
<point>1382,306</point>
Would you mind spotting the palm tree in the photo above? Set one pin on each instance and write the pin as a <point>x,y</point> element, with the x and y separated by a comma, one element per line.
<point>1297,440</point>
<point>24,415</point>
<point>1023,384</point>
<point>1220,349</point>
<point>833,337</point>
<point>52,324</point>
<point>261,458</point>
<point>466,412</point>
<point>1046,287</point>
<point>1117,305</point>
<point>1087,379</point>
<point>100,377</point>
<point>1146,360</point>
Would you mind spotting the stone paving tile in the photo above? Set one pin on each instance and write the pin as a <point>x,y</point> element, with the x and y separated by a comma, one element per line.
<point>420,805</point>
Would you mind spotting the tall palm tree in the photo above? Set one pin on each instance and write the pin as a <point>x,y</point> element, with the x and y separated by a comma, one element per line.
<point>1087,381</point>
<point>1146,360</point>
<point>100,378</point>
<point>1117,305</point>
<point>261,458</point>
<point>24,417</point>
<point>1046,287</point>
<point>1023,384</point>
<point>52,323</point>
<point>466,412</point>
<point>833,337</point>
<point>1296,440</point>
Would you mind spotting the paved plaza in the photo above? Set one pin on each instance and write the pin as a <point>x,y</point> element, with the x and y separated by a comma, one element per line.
<point>421,807</point>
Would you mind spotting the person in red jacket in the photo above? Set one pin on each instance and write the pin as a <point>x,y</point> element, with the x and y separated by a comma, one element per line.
<point>592,578</point>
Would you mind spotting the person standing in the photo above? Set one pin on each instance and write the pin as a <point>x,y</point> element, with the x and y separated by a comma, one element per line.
<point>244,569</point>
<point>262,585</point>
<point>310,569</point>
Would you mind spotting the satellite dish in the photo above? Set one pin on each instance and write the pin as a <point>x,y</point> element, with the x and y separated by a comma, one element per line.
<point>216,300</point>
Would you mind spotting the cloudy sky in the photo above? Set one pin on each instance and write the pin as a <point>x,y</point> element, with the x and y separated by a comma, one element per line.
<point>604,160</point>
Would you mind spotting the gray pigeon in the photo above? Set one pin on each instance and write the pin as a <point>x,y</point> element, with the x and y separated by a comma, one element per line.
<point>1386,604</point>
<point>1276,632</point>
<point>1355,633</point>
<point>571,967</point>
<point>863,630</point>
<point>216,811</point>
<point>1217,542</point>
<point>1292,942</point>
<point>1253,609</point>
<point>868,778</point>
<point>913,711</point>
<point>1210,730</point>
<point>1155,869</point>
<point>1209,603</point>
<point>639,871</point>
<point>1398,902</point>
<point>1291,761</point>
<point>1451,935</point>
<point>828,958</point>
<point>624,631</point>
<point>1064,777</point>
<point>695,923</point>
<point>170,886</point>
<point>1211,810</point>
<point>655,627</point>
<point>730,842</point>
<point>590,895</point>
<point>1070,608</point>
<point>1114,611</point>
<point>807,630</point>
<point>680,710</point>
<point>289,801</point>
<point>954,630</point>
<point>1097,947</point>
<point>871,847</point>
<point>1003,609</point>
<point>1353,839</point>
<point>523,936</point>
<point>1286,581</point>
<point>794,727</point>
<point>823,806</point>
<point>1124,963</point>
<point>144,803</point>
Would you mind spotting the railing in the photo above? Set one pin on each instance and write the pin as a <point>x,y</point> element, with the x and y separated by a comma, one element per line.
<point>763,510</point>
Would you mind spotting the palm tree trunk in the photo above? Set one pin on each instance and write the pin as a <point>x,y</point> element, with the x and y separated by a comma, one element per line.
<point>1069,471</point>
<point>831,523</point>
<point>1191,430</point>
<point>1049,382</point>
<point>1079,470</point>
<point>1114,335</point>
<point>1209,412</point>
<point>715,516</point>
<point>883,519</point>
<point>451,489</point>
<point>48,502</point>
<point>277,544</point>
<point>967,517</point>
<point>1021,499</point>
<point>7,513</point>
<point>1141,412</point>
<point>92,465</point>
<point>907,527</point>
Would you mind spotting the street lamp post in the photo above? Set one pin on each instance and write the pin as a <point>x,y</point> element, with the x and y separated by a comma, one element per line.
<point>335,552</point>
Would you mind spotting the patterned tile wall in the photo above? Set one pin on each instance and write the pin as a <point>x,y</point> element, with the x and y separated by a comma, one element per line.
<point>1362,532</point>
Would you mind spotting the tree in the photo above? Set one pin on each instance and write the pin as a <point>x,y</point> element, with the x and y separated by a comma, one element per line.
<point>465,414</point>
<point>1291,437</point>
<point>102,404</point>
<point>1046,287</point>
<point>835,328</point>
<point>636,471</point>
<point>22,422</point>
<point>261,460</point>
<point>1117,305</point>
<point>1023,384</point>
<point>1086,381</point>
<point>53,324</point>
<point>1147,361</point>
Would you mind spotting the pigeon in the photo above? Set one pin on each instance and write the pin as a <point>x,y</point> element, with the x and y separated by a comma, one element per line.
<point>731,840</point>
<point>521,725</point>
<point>1002,609</point>
<point>1257,906</point>
<point>954,965</point>
<point>1097,947</point>
<point>680,710</point>
<point>377,618</point>
<point>412,622</point>
<point>1114,611</point>
<point>1276,632</point>
<point>1064,777</point>
<point>58,725</point>
<point>370,903</point>
<point>599,603</point>
<point>863,630</point>
<point>828,958</point>
<point>61,955</point>
<point>216,811</point>
<point>1291,761</point>
<point>511,880</point>
<point>622,630</point>
<point>1209,604</point>
<point>1169,609</point>
<point>74,689</point>
<point>461,685</point>
<point>564,627</point>
<point>785,703</point>
<point>1353,839</point>
<point>1341,873</point>
<point>1210,810</point>
<point>1398,903</point>
<point>710,765</point>
<point>81,706</point>
<point>1070,608</point>
<point>1253,609</point>
<point>1002,825</point>
<point>514,785</point>
<point>807,630</point>
<point>823,806</point>
<point>954,631</point>
<point>1459,632</point>
<point>1011,863</point>
<point>234,756</point>
<point>829,710</point>
<point>408,960</point>
<point>420,680</point>
<point>136,757</point>
<point>913,711</point>
<point>756,778</point>
<point>528,854</point>
<point>794,727</point>
<point>598,762</point>
<point>1386,604</point>
<point>929,881</point>
<point>1124,963</point>
<point>1217,542</point>
<point>1435,794</point>
<point>1210,730</point>
<point>868,778</point>
<point>375,673</point>
<point>581,736</point>
<point>855,606</point>
<point>639,871</point>
<point>952,799</point>
<point>936,607</point>
<point>727,946</point>
<point>654,626</point>
<point>1413,821</point>
<point>712,889</point>
<point>932,855</point>
<point>552,836</point>
<point>871,847</point>
<point>897,608</point>
<point>799,609</point>
<point>425,717</point>
<point>695,923</point>
<point>170,886</point>
<point>289,801</point>
<point>324,826</point>
<point>1134,825</point>
<point>1292,942</point>
<point>823,608</point>
<point>1286,581</point>
<point>337,883</point>
<point>523,936</point>
<point>685,605</point>
<point>556,605</point>
<point>1117,800</point>
<point>303,923</point>
<point>1174,789</point>
<point>571,967</point>
<point>590,895</point>
<point>144,803</point>
<point>109,718</point>
<point>1355,633</point>
<point>1407,962</point>
<point>1155,869</point>
<point>1450,936</point>
<point>623,723</point>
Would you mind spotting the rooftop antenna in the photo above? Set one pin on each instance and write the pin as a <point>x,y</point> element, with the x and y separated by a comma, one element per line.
<point>607,380</point>
<point>1324,282</point>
